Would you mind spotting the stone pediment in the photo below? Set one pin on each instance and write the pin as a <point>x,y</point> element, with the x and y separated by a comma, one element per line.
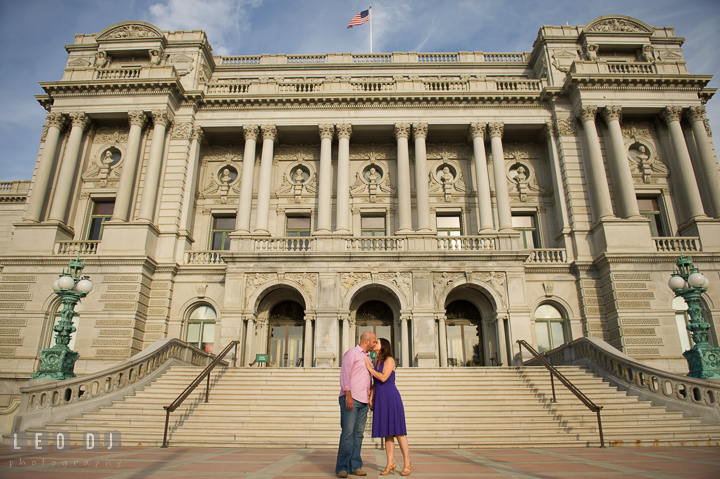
<point>614,24</point>
<point>130,31</point>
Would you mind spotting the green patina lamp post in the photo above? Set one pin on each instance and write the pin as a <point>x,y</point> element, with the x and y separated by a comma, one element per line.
<point>58,362</point>
<point>689,283</point>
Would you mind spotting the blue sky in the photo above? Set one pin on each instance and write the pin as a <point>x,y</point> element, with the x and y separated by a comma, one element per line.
<point>34,32</point>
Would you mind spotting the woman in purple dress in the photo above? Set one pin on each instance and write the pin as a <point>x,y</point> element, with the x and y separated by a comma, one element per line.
<point>387,406</point>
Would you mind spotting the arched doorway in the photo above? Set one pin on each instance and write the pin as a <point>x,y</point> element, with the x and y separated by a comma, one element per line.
<point>286,329</point>
<point>377,317</point>
<point>464,334</point>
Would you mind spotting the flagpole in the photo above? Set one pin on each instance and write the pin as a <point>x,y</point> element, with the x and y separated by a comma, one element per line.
<point>370,28</point>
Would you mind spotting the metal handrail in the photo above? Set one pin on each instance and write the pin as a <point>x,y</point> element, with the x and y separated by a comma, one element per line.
<point>566,382</point>
<point>188,390</point>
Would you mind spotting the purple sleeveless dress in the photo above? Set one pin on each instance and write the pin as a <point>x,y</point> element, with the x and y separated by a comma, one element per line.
<point>388,413</point>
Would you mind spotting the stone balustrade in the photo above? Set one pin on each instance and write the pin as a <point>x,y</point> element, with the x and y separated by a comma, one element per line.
<point>677,243</point>
<point>631,68</point>
<point>118,73</point>
<point>396,57</point>
<point>43,400</point>
<point>76,247</point>
<point>547,255</point>
<point>203,257</point>
<point>288,244</point>
<point>375,243</point>
<point>627,68</point>
<point>677,393</point>
<point>467,243</point>
<point>14,191</point>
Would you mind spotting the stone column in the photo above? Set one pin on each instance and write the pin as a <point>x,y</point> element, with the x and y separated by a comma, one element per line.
<point>242,223</point>
<point>420,131</point>
<point>688,191</point>
<point>696,117</point>
<point>442,338</point>
<point>188,212</point>
<point>66,179</point>
<point>558,185</point>
<point>325,180</point>
<point>477,132</point>
<point>402,132</point>
<point>501,189</point>
<point>595,171</point>
<point>55,123</point>
<point>161,120</point>
<point>250,341</point>
<point>307,347</point>
<point>623,187</point>
<point>345,336</point>
<point>405,341</point>
<point>269,134</point>
<point>137,120</point>
<point>342,224</point>
<point>501,340</point>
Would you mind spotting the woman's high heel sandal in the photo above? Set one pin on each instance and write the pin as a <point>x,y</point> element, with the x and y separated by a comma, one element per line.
<point>389,469</point>
<point>406,470</point>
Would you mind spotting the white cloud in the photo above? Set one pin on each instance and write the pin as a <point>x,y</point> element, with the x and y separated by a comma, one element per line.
<point>224,21</point>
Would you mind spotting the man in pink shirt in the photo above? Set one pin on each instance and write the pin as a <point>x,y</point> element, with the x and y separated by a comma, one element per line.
<point>354,398</point>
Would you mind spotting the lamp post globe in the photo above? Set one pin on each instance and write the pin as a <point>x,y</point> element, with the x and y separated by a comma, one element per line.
<point>696,280</point>
<point>676,282</point>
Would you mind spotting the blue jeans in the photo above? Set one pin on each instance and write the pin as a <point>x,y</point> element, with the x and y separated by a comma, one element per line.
<point>353,427</point>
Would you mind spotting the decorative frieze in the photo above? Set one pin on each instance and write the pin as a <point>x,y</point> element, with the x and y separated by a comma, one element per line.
<point>635,295</point>
<point>110,342</point>
<point>112,352</point>
<point>9,331</point>
<point>631,286</point>
<point>118,297</point>
<point>634,304</point>
<point>18,279</point>
<point>115,332</point>
<point>632,276</point>
<point>348,280</point>
<point>643,351</point>
<point>13,322</point>
<point>15,296</point>
<point>641,321</point>
<point>113,323</point>
<point>122,287</point>
<point>14,287</point>
<point>120,279</point>
<point>11,341</point>
<point>5,352</point>
<point>12,305</point>
<point>639,332</point>
<point>119,306</point>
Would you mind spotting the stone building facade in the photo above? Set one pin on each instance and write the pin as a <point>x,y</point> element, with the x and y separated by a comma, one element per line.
<point>452,202</point>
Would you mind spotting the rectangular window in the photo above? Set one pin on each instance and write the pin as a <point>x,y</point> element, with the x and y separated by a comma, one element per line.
<point>526,225</point>
<point>449,225</point>
<point>221,228</point>
<point>650,208</point>
<point>101,212</point>
<point>297,226</point>
<point>372,226</point>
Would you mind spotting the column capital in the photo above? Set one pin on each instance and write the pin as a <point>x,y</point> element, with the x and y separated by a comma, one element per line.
<point>344,130</point>
<point>79,118</point>
<point>198,133</point>
<point>671,113</point>
<point>402,130</point>
<point>695,113</point>
<point>477,130</point>
<point>327,131</point>
<point>57,120</point>
<point>610,113</point>
<point>137,118</point>
<point>162,117</point>
<point>496,129</point>
<point>420,130</point>
<point>251,132</point>
<point>550,129</point>
<point>269,132</point>
<point>587,113</point>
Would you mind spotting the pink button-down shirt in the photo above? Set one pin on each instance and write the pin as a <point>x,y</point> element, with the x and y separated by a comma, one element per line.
<point>354,376</point>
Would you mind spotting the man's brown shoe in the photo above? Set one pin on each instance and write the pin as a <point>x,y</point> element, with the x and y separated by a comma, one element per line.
<point>342,474</point>
<point>359,472</point>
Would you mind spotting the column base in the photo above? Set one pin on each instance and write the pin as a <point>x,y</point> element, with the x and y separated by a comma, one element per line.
<point>129,239</point>
<point>706,228</point>
<point>40,238</point>
<point>261,233</point>
<point>614,235</point>
<point>486,231</point>
<point>404,231</point>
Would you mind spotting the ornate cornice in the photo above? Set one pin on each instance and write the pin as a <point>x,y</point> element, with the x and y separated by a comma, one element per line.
<point>344,130</point>
<point>696,113</point>
<point>420,130</point>
<point>251,132</point>
<point>587,113</point>
<point>496,129</point>
<point>402,130</point>
<point>671,113</point>
<point>326,131</point>
<point>610,113</point>
<point>477,130</point>
<point>636,82</point>
<point>269,132</point>
<point>137,118</point>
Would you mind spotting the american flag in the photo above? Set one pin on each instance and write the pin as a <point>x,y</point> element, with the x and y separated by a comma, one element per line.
<point>360,18</point>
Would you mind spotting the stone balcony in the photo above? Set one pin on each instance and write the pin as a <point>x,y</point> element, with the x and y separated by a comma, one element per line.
<point>14,191</point>
<point>370,58</point>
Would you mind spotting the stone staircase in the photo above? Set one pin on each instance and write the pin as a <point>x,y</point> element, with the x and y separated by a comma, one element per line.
<point>448,408</point>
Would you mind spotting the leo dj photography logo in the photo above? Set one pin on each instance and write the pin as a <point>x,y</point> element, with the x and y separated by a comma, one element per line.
<point>108,441</point>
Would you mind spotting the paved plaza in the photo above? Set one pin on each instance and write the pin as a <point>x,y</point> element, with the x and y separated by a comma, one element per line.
<point>177,463</point>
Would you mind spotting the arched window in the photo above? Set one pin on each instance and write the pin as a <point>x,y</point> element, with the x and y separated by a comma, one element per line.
<point>201,328</point>
<point>463,332</point>
<point>549,327</point>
